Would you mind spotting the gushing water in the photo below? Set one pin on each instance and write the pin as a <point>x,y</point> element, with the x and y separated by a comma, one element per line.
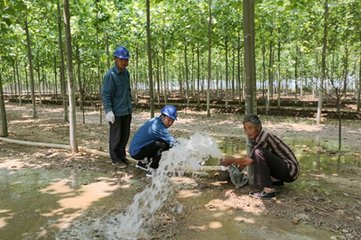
<point>186,155</point>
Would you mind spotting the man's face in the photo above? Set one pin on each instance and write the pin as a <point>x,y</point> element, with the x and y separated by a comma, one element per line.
<point>252,130</point>
<point>167,121</point>
<point>121,63</point>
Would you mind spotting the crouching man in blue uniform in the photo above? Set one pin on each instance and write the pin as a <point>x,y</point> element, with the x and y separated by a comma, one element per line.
<point>151,139</point>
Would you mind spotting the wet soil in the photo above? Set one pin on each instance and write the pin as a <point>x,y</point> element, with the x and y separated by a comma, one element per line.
<point>326,196</point>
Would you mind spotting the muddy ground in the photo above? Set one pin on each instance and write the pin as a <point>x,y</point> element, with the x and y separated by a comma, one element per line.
<point>326,196</point>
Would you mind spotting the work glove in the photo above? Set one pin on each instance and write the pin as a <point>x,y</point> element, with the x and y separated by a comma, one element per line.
<point>110,117</point>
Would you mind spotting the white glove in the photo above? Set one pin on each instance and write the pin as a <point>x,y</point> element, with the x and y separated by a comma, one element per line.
<point>110,117</point>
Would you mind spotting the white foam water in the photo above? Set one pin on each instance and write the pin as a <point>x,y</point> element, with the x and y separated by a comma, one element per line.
<point>186,155</point>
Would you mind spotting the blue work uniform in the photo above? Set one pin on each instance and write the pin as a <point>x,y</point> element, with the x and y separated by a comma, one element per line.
<point>151,131</point>
<point>116,96</point>
<point>116,93</point>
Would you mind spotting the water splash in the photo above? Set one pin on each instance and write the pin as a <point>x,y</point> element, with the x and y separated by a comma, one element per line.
<point>187,155</point>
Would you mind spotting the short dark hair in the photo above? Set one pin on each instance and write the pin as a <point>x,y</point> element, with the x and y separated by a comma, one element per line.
<point>252,118</point>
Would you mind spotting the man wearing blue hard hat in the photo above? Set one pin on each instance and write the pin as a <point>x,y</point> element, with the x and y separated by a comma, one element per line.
<point>152,138</point>
<point>117,102</point>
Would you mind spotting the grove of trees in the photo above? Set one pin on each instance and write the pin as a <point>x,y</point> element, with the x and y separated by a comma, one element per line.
<point>195,49</point>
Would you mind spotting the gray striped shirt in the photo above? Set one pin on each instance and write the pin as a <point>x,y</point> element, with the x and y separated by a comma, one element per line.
<point>275,145</point>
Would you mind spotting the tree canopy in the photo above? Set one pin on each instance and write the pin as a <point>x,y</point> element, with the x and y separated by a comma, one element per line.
<point>292,30</point>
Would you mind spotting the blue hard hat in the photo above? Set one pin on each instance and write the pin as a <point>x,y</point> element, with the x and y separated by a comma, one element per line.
<point>169,111</point>
<point>121,52</point>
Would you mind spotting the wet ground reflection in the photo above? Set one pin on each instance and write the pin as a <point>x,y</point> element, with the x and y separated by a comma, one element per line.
<point>36,203</point>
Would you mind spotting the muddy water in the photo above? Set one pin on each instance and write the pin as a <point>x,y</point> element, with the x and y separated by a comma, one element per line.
<point>218,220</point>
<point>37,203</point>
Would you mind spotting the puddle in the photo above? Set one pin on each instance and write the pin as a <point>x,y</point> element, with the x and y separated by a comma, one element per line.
<point>37,203</point>
<point>312,156</point>
<point>217,219</point>
<point>135,221</point>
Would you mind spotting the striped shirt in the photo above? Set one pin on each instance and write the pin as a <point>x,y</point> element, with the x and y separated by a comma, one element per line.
<point>275,145</point>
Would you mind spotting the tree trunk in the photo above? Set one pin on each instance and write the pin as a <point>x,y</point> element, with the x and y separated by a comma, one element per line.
<point>226,77</point>
<point>279,73</point>
<point>164,72</point>
<point>55,78</point>
<point>186,71</point>
<point>31,69</point>
<point>250,67</point>
<point>39,81</point>
<point>239,71</point>
<point>209,56</point>
<point>359,84</point>
<point>3,119</point>
<point>198,77</point>
<point>345,63</point>
<point>107,49</point>
<point>323,64</point>
<point>98,61</point>
<point>26,81</point>
<point>69,64</point>
<point>62,67</point>
<point>249,57</point>
<point>296,74</point>
<point>270,68</point>
<point>149,53</point>
<point>80,84</point>
<point>339,122</point>
<point>136,75</point>
<point>18,82</point>
<point>157,75</point>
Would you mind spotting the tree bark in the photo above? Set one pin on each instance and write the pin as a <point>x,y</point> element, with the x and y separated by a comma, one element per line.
<point>249,57</point>
<point>239,71</point>
<point>186,71</point>
<point>323,64</point>
<point>359,84</point>
<point>165,85</point>
<point>3,119</point>
<point>209,56</point>
<point>18,82</point>
<point>81,84</point>
<point>31,69</point>
<point>250,67</point>
<point>69,64</point>
<point>226,77</point>
<point>150,70</point>
<point>279,73</point>
<point>296,74</point>
<point>62,67</point>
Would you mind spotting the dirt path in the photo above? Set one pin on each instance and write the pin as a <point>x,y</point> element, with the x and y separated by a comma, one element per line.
<point>326,196</point>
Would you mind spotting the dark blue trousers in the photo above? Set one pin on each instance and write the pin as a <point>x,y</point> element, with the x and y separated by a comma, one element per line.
<point>118,137</point>
<point>153,152</point>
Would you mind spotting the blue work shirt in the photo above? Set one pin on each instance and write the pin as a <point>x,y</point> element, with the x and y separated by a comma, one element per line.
<point>151,131</point>
<point>116,92</point>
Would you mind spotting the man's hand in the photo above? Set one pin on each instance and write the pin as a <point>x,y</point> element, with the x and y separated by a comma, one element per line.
<point>110,117</point>
<point>246,160</point>
<point>226,161</point>
<point>241,161</point>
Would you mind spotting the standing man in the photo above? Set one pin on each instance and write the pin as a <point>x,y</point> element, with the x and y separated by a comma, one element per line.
<point>117,102</point>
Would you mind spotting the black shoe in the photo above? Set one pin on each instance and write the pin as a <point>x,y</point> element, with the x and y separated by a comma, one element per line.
<point>119,165</point>
<point>278,183</point>
<point>143,165</point>
<point>262,195</point>
<point>125,160</point>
